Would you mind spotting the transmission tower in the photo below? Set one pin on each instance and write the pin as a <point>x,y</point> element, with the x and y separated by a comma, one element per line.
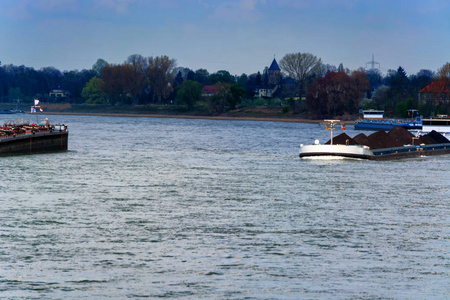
<point>373,63</point>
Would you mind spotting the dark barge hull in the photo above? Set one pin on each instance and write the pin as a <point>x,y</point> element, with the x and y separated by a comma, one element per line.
<point>34,143</point>
<point>345,155</point>
<point>368,125</point>
<point>410,152</point>
<point>390,153</point>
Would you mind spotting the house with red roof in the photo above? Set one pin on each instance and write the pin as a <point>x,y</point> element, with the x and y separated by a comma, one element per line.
<point>438,91</point>
<point>209,90</point>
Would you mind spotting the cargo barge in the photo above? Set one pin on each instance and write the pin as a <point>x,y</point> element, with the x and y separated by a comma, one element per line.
<point>398,143</point>
<point>374,120</point>
<point>440,123</point>
<point>28,138</point>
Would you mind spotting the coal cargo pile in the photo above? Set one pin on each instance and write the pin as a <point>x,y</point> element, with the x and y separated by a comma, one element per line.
<point>396,137</point>
<point>400,136</point>
<point>426,140</point>
<point>433,138</point>
<point>342,139</point>
<point>438,138</point>
<point>380,140</point>
<point>376,140</point>
<point>362,139</point>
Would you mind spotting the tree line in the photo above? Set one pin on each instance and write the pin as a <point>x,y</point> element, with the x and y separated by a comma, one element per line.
<point>305,85</point>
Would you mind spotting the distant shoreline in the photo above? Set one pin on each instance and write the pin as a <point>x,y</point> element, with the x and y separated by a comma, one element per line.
<point>240,118</point>
<point>256,113</point>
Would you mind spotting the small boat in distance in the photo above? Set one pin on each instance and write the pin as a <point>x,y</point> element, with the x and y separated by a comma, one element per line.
<point>374,120</point>
<point>13,111</point>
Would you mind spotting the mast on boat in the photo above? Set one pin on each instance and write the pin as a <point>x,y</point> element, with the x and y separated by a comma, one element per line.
<point>330,125</point>
<point>34,109</point>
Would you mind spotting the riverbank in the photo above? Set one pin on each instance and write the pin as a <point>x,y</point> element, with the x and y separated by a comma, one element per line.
<point>257,113</point>
<point>297,120</point>
<point>250,113</point>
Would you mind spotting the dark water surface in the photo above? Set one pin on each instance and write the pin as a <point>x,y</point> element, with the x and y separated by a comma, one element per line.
<point>200,209</point>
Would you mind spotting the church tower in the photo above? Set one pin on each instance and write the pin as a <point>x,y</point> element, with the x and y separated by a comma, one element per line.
<point>274,74</point>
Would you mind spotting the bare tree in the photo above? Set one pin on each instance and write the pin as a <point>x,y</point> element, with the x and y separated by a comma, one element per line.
<point>139,67</point>
<point>336,94</point>
<point>161,73</point>
<point>444,73</point>
<point>441,87</point>
<point>138,62</point>
<point>99,65</point>
<point>300,66</point>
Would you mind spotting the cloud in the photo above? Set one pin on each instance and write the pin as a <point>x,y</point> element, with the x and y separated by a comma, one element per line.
<point>56,5</point>
<point>18,10</point>
<point>243,10</point>
<point>27,9</point>
<point>119,6</point>
<point>305,4</point>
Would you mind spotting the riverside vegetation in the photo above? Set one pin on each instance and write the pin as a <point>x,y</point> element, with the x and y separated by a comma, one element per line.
<point>304,87</point>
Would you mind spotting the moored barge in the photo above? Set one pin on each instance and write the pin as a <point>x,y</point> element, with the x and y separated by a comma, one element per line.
<point>25,138</point>
<point>28,138</point>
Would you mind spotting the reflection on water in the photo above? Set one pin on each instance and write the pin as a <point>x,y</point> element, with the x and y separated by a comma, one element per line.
<point>175,208</point>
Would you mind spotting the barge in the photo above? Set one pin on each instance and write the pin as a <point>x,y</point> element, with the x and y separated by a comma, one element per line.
<point>398,143</point>
<point>28,138</point>
<point>374,120</point>
<point>334,150</point>
<point>440,123</point>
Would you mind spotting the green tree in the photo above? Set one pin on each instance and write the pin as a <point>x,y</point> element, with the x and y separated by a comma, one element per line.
<point>202,76</point>
<point>399,89</point>
<point>243,80</point>
<point>92,94</point>
<point>218,102</point>
<point>178,80</point>
<point>222,76</point>
<point>238,93</point>
<point>74,82</point>
<point>15,93</point>
<point>3,84</point>
<point>410,104</point>
<point>50,78</point>
<point>380,96</point>
<point>374,76</point>
<point>401,109</point>
<point>189,92</point>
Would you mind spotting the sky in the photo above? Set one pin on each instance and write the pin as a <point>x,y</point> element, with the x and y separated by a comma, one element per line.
<point>239,36</point>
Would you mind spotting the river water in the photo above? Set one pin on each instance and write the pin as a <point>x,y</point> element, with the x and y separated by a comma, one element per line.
<point>201,209</point>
